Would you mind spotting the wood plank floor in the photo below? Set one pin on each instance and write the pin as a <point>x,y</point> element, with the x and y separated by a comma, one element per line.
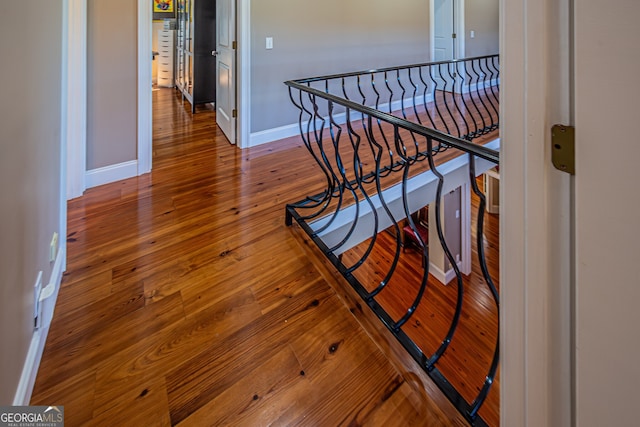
<point>187,301</point>
<point>466,362</point>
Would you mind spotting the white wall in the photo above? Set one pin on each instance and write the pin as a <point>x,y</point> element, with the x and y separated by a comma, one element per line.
<point>607,212</point>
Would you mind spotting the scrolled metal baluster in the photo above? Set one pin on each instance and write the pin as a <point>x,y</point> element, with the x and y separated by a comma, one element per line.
<point>479,400</point>
<point>460,285</point>
<point>364,97</point>
<point>493,96</point>
<point>435,99</point>
<point>414,95</point>
<point>375,90</point>
<point>389,151</point>
<point>325,197</point>
<point>390,102</point>
<point>475,78</point>
<point>488,115</point>
<point>355,139</point>
<point>383,283</point>
<point>402,98</point>
<point>455,76</point>
<point>425,100</point>
<point>377,149</point>
<point>345,182</point>
<point>336,188</point>
<point>385,171</point>
<point>403,92</point>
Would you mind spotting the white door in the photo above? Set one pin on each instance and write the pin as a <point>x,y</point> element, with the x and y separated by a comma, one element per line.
<point>445,45</point>
<point>607,206</point>
<point>444,28</point>
<point>225,67</point>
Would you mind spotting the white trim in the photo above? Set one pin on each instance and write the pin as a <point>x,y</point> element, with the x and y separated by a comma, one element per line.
<point>75,90</point>
<point>465,230</point>
<point>480,86</point>
<point>64,188</point>
<point>243,71</point>
<point>270,135</point>
<point>145,100</point>
<point>459,28</point>
<point>287,131</point>
<point>39,337</point>
<point>533,317</point>
<point>441,276</point>
<point>112,173</point>
<point>275,134</point>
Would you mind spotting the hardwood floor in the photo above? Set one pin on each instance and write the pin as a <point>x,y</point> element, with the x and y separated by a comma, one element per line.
<point>466,362</point>
<point>186,301</point>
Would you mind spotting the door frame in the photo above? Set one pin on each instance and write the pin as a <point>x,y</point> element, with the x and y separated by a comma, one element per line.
<point>145,92</point>
<point>536,318</point>
<point>75,117</point>
<point>458,27</point>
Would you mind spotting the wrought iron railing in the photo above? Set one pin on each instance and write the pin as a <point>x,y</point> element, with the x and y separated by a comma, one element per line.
<point>389,142</point>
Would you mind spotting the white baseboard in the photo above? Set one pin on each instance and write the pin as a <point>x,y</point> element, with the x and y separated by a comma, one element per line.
<point>275,134</point>
<point>112,173</point>
<point>443,277</point>
<point>480,86</point>
<point>39,338</point>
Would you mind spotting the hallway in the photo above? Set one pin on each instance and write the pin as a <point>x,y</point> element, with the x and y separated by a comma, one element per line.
<point>187,301</point>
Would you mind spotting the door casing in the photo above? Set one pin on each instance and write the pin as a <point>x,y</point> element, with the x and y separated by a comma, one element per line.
<point>458,28</point>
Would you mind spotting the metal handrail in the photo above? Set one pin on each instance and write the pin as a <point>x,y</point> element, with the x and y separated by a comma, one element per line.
<point>459,143</point>
<point>352,192</point>
<point>387,69</point>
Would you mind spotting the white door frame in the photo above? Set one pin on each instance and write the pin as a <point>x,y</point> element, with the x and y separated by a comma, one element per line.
<point>75,111</point>
<point>458,28</point>
<point>535,259</point>
<point>145,95</point>
<point>243,72</point>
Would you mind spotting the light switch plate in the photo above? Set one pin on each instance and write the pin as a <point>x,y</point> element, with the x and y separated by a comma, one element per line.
<point>269,42</point>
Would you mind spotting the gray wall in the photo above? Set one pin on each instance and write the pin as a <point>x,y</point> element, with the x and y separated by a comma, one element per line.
<point>327,37</point>
<point>112,82</point>
<point>482,16</point>
<point>30,116</point>
<point>319,38</point>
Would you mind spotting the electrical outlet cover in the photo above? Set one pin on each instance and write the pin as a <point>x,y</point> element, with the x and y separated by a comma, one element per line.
<point>37,288</point>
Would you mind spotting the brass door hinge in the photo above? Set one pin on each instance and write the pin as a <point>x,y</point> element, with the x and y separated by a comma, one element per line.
<point>563,140</point>
<point>234,113</point>
<point>234,45</point>
<point>454,35</point>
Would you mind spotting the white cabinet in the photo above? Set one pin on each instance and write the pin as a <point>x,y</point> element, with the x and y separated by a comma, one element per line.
<point>165,57</point>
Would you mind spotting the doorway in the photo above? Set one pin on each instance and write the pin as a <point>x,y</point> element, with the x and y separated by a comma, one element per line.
<point>447,33</point>
<point>241,74</point>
